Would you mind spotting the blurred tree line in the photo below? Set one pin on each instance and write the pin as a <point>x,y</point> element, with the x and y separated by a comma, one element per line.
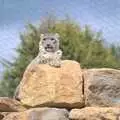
<point>78,43</point>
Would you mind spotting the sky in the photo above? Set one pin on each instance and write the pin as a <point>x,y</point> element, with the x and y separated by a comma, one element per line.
<point>14,14</point>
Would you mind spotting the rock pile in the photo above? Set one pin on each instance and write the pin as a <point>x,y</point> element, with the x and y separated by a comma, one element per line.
<point>65,93</point>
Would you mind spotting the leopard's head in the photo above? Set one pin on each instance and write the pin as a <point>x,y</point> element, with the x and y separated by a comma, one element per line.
<point>50,42</point>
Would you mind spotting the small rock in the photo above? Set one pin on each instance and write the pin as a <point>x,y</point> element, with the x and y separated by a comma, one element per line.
<point>3,114</point>
<point>95,113</point>
<point>10,105</point>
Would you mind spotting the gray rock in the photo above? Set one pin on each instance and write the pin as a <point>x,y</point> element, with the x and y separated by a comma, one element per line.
<point>102,87</point>
<point>48,114</point>
<point>39,114</point>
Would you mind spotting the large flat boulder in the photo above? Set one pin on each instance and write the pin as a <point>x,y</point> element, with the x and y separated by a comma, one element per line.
<point>95,113</point>
<point>39,114</point>
<point>102,87</point>
<point>43,85</point>
<point>10,105</point>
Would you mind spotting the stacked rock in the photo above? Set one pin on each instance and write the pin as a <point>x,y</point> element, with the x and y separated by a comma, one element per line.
<point>65,93</point>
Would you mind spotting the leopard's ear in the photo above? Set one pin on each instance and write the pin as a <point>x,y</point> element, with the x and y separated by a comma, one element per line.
<point>41,36</point>
<point>57,35</point>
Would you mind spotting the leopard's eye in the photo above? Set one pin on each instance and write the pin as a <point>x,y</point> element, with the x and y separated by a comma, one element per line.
<point>44,39</point>
<point>52,39</point>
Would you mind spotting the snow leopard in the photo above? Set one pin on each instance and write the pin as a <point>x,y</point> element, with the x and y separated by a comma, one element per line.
<point>49,52</point>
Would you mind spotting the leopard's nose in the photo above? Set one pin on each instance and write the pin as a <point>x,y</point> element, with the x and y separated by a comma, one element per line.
<point>48,45</point>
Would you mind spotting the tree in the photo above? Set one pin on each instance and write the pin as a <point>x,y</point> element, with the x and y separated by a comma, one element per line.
<point>80,44</point>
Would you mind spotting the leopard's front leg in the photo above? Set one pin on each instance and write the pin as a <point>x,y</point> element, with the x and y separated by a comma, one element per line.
<point>56,59</point>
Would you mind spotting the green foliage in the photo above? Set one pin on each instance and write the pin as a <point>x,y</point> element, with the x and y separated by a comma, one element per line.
<point>80,44</point>
<point>116,51</point>
<point>26,51</point>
